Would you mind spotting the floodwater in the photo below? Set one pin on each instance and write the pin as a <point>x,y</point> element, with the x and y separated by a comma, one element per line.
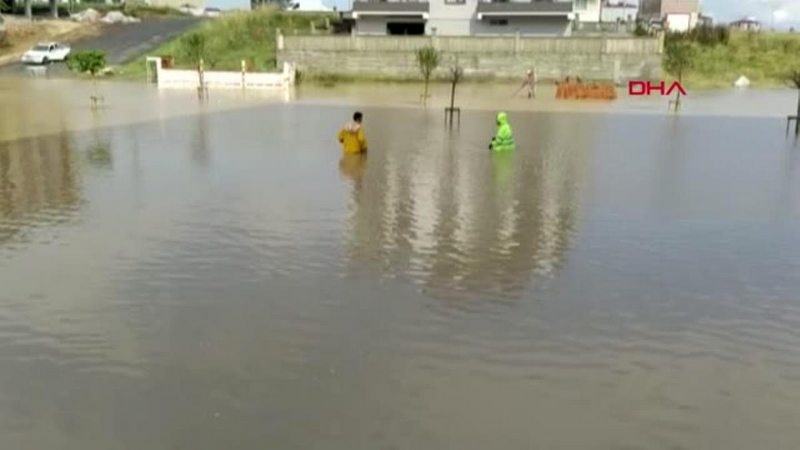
<point>176,276</point>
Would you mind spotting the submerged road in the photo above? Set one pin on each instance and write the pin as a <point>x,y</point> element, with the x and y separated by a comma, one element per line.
<point>120,42</point>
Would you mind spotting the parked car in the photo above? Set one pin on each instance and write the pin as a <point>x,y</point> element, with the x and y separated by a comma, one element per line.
<point>191,10</point>
<point>45,53</point>
<point>212,12</point>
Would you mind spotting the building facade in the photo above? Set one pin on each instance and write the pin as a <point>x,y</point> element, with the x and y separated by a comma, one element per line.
<point>462,18</point>
<point>619,11</point>
<point>587,10</point>
<point>746,24</point>
<point>675,15</point>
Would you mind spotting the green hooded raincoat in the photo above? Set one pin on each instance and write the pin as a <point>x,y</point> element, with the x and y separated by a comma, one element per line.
<point>504,138</point>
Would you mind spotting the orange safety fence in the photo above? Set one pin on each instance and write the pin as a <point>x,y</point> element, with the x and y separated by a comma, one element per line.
<point>580,91</point>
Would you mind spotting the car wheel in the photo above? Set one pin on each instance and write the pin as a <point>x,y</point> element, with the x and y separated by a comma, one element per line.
<point>45,61</point>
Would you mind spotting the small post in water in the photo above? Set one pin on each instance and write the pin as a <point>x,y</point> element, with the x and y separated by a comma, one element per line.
<point>244,74</point>
<point>456,73</point>
<point>201,88</point>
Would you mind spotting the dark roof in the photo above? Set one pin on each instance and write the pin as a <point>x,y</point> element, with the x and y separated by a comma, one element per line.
<point>533,7</point>
<point>744,21</point>
<point>390,7</point>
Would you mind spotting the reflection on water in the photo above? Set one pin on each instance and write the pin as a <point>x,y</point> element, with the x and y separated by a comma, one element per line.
<point>463,221</point>
<point>39,180</point>
<point>202,283</point>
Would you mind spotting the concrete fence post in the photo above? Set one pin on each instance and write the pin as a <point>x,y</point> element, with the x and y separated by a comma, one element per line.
<point>244,72</point>
<point>279,36</point>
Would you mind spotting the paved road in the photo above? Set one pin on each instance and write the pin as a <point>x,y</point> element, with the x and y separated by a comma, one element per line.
<point>120,42</point>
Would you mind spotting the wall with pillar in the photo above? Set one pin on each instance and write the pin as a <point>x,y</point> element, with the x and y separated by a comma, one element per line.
<point>393,57</point>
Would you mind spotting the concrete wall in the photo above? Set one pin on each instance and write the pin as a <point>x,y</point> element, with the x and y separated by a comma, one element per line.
<point>606,58</point>
<point>190,79</point>
<point>526,26</point>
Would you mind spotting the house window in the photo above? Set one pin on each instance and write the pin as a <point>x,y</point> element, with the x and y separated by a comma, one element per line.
<point>581,4</point>
<point>454,2</point>
<point>498,22</point>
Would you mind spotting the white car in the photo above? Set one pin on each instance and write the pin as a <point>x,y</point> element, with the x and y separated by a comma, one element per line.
<point>46,52</point>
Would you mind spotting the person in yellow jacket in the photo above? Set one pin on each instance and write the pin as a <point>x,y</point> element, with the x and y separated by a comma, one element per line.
<point>351,136</point>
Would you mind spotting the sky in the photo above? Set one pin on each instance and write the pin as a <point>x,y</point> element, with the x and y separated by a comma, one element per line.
<point>786,12</point>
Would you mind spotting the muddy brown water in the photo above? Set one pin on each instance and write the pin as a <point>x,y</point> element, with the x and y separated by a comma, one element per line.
<point>175,276</point>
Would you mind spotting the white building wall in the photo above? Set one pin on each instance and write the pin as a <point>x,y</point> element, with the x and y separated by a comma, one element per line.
<point>587,10</point>
<point>451,19</point>
<point>612,13</point>
<point>371,25</point>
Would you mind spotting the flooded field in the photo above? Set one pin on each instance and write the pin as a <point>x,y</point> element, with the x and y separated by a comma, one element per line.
<point>175,276</point>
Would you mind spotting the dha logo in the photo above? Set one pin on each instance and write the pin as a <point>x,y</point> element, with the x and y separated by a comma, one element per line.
<point>646,88</point>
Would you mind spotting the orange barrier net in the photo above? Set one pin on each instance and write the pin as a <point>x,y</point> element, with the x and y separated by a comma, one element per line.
<point>594,91</point>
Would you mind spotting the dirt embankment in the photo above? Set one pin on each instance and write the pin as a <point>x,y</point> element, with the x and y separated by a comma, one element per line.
<point>21,34</point>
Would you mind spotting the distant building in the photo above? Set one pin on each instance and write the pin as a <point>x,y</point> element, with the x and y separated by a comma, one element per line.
<point>309,6</point>
<point>619,10</point>
<point>185,4</point>
<point>462,17</point>
<point>587,10</point>
<point>746,24</point>
<point>674,15</point>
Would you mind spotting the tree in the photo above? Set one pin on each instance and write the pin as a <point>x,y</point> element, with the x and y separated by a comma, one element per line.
<point>455,74</point>
<point>193,46</point>
<point>91,62</point>
<point>428,60</point>
<point>29,9</point>
<point>54,8</point>
<point>793,78</point>
<point>678,59</point>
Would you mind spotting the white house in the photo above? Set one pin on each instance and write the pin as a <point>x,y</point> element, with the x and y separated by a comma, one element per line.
<point>746,24</point>
<point>676,15</point>
<point>587,10</point>
<point>462,17</point>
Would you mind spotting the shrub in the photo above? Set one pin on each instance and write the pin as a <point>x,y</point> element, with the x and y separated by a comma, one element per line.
<point>90,61</point>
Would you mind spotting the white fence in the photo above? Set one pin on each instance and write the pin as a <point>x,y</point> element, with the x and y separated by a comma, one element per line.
<point>190,79</point>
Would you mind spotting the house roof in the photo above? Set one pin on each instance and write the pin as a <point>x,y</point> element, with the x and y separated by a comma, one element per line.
<point>745,21</point>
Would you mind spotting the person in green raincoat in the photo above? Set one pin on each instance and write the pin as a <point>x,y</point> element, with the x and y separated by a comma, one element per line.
<point>503,140</point>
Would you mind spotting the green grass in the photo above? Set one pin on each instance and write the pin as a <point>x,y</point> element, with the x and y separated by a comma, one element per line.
<point>141,11</point>
<point>231,38</point>
<point>765,58</point>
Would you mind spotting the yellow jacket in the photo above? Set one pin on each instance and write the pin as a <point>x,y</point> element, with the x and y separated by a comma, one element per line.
<point>352,138</point>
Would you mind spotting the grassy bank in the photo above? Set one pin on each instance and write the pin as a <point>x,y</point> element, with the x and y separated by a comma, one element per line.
<point>142,11</point>
<point>764,58</point>
<point>231,38</point>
